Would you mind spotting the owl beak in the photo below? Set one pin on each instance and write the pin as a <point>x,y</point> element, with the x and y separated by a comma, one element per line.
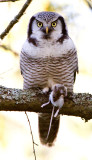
<point>47,30</point>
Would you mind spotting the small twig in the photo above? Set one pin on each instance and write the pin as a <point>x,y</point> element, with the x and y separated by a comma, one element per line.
<point>10,69</point>
<point>15,20</point>
<point>8,0</point>
<point>31,135</point>
<point>7,48</point>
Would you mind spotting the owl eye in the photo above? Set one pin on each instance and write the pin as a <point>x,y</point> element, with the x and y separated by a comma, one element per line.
<point>53,24</point>
<point>39,24</point>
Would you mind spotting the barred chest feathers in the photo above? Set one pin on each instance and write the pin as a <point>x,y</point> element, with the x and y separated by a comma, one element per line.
<point>48,48</point>
<point>48,63</point>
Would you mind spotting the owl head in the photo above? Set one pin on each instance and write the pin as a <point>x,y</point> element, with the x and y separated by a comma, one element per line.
<point>47,25</point>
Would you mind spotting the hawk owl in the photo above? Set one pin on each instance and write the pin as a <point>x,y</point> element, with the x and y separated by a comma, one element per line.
<point>48,57</point>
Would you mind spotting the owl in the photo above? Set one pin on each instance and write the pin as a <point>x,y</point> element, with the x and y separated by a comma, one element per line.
<point>48,57</point>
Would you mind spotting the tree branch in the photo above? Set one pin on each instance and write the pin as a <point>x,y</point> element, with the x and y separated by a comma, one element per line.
<point>15,20</point>
<point>31,100</point>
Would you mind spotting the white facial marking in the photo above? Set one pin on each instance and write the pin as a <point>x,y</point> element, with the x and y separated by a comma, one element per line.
<point>47,48</point>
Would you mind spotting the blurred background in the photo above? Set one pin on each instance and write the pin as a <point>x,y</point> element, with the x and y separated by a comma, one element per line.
<point>74,139</point>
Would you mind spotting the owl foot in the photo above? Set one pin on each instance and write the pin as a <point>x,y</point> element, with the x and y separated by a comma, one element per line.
<point>45,90</point>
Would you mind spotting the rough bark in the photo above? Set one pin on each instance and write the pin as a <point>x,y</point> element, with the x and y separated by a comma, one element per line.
<point>31,100</point>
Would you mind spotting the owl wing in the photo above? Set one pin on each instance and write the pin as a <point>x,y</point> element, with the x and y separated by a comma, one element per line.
<point>75,63</point>
<point>75,72</point>
<point>69,64</point>
<point>24,56</point>
<point>72,59</point>
<point>21,64</point>
<point>24,60</point>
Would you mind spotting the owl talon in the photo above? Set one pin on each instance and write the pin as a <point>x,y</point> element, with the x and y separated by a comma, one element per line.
<point>45,90</point>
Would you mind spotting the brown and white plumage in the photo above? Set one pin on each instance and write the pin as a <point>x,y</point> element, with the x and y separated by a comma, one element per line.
<point>48,56</point>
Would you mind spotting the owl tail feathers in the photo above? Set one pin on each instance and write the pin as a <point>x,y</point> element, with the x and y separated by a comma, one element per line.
<point>43,122</point>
